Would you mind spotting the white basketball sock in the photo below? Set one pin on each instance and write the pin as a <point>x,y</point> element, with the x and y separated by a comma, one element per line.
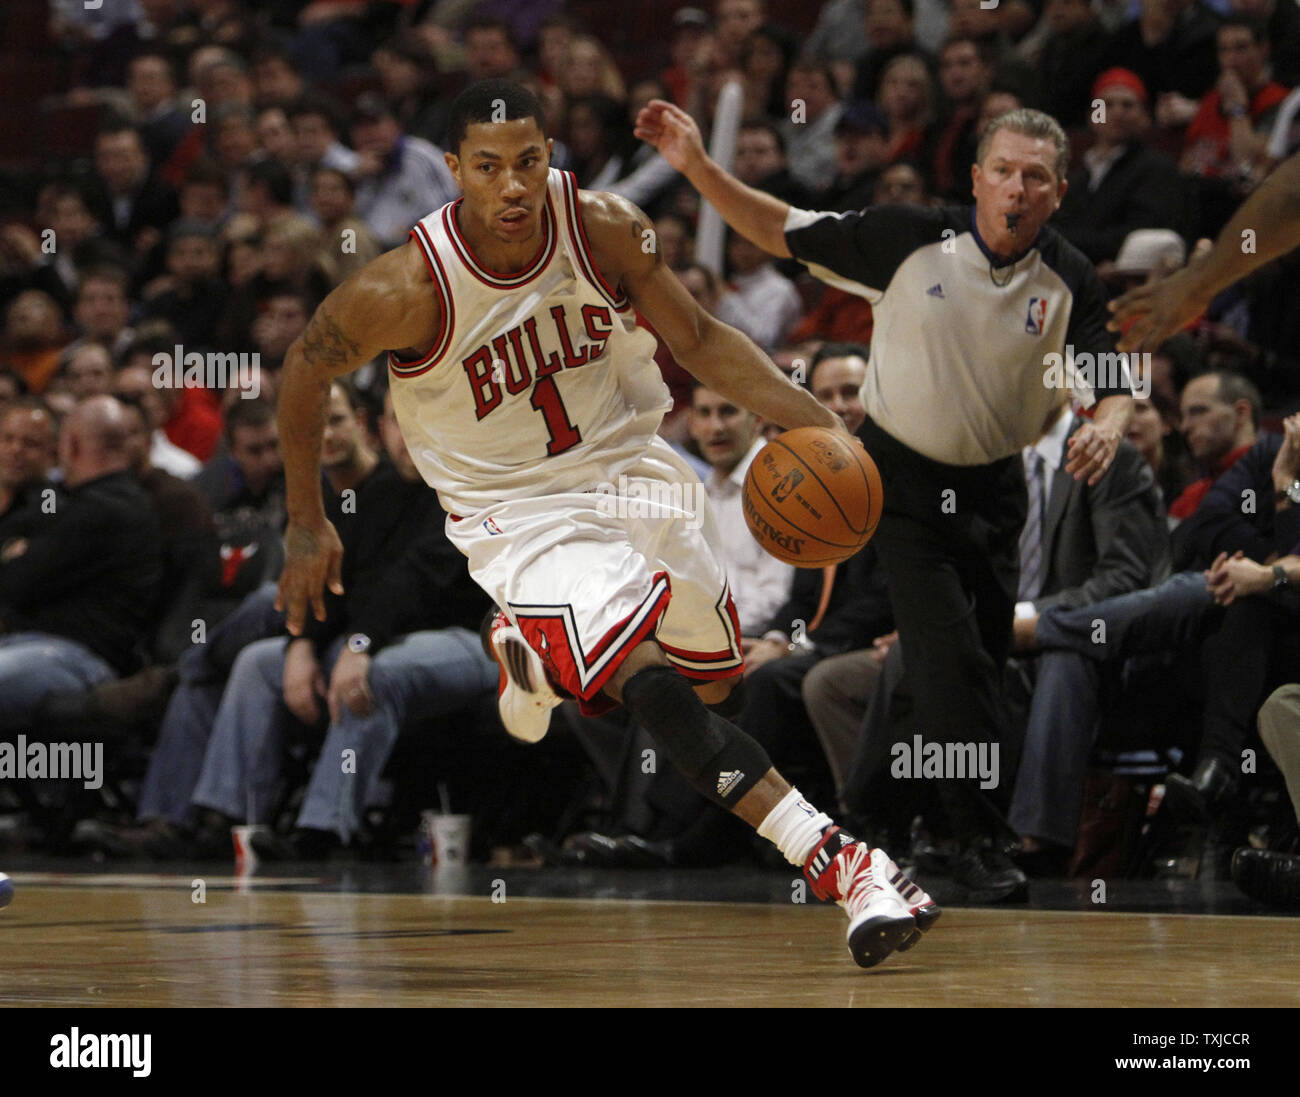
<point>794,826</point>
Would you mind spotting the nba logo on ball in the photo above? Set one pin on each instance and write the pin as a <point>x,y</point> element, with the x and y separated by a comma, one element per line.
<point>6,890</point>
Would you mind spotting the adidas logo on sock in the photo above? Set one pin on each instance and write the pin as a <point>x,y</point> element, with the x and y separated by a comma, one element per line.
<point>727,780</point>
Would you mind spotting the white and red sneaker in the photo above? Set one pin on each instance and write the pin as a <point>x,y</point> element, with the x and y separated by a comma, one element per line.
<point>923,909</point>
<point>524,696</point>
<point>846,870</point>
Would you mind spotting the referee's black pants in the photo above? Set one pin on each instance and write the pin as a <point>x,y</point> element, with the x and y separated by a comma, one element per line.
<point>949,540</point>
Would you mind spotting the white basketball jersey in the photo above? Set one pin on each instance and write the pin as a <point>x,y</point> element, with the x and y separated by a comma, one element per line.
<point>539,382</point>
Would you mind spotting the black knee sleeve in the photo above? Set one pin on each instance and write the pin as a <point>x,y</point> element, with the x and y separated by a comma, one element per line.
<point>720,761</point>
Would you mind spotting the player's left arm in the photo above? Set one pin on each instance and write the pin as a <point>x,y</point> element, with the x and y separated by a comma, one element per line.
<point>721,357</point>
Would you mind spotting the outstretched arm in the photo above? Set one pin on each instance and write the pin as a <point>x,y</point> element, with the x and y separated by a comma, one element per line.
<point>756,216</point>
<point>1162,308</point>
<point>386,304</point>
<point>718,355</point>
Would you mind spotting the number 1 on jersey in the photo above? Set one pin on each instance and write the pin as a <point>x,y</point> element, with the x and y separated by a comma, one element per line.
<point>546,399</point>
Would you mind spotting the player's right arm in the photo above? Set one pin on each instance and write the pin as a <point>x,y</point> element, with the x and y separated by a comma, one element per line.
<point>385,305</point>
<point>1163,308</point>
<point>757,216</point>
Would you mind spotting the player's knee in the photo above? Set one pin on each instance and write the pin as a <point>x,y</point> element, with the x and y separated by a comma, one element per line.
<point>725,696</point>
<point>719,760</point>
<point>642,657</point>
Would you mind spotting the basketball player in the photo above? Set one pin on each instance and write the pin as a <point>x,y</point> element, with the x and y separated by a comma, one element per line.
<point>525,390</point>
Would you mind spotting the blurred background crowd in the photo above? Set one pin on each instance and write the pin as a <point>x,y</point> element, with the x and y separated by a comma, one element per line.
<point>194,176</point>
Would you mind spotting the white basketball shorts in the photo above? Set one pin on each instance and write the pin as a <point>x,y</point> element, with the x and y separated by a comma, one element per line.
<point>586,576</point>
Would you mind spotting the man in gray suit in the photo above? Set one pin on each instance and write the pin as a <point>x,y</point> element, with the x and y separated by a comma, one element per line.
<point>1080,544</point>
<point>1096,543</point>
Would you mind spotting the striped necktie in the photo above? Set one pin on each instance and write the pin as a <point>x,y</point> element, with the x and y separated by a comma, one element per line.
<point>1031,537</point>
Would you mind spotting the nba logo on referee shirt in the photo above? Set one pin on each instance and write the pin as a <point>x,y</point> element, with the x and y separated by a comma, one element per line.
<point>1037,315</point>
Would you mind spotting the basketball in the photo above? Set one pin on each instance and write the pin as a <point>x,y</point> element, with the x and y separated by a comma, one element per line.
<point>812,497</point>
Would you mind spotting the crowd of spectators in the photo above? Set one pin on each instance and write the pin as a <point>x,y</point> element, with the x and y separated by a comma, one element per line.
<point>248,158</point>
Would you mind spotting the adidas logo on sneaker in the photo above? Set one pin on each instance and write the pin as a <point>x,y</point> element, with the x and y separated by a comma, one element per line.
<point>727,780</point>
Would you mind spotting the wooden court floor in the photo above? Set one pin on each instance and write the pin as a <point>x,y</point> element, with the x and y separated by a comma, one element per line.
<point>143,941</point>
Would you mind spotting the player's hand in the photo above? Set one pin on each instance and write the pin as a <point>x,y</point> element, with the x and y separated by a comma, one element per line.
<point>1090,451</point>
<point>1149,314</point>
<point>673,132</point>
<point>313,558</point>
<point>350,685</point>
<point>303,681</point>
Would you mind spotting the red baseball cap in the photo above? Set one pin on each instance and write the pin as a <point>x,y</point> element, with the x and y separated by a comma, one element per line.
<point>1125,78</point>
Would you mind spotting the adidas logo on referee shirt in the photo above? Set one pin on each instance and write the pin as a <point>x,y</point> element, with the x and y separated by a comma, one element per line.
<point>727,780</point>
<point>935,291</point>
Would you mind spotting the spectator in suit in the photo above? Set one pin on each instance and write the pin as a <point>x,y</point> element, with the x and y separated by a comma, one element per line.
<point>1122,184</point>
<point>151,84</point>
<point>1220,421</point>
<point>1180,641</point>
<point>1095,542</point>
<point>133,206</point>
<point>78,580</point>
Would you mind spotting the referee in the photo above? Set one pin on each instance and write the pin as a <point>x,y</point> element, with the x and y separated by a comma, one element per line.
<point>969,303</point>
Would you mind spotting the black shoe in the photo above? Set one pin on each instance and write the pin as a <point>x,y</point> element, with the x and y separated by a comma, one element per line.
<point>1193,799</point>
<point>1272,878</point>
<point>304,844</point>
<point>156,840</point>
<point>990,877</point>
<point>1050,862</point>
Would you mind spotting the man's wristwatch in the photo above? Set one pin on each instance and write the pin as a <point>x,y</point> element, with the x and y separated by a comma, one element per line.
<point>358,643</point>
<point>1291,491</point>
<point>1280,579</point>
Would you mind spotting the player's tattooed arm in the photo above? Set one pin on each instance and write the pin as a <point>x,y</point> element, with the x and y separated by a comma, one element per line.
<point>388,303</point>
<point>327,345</point>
